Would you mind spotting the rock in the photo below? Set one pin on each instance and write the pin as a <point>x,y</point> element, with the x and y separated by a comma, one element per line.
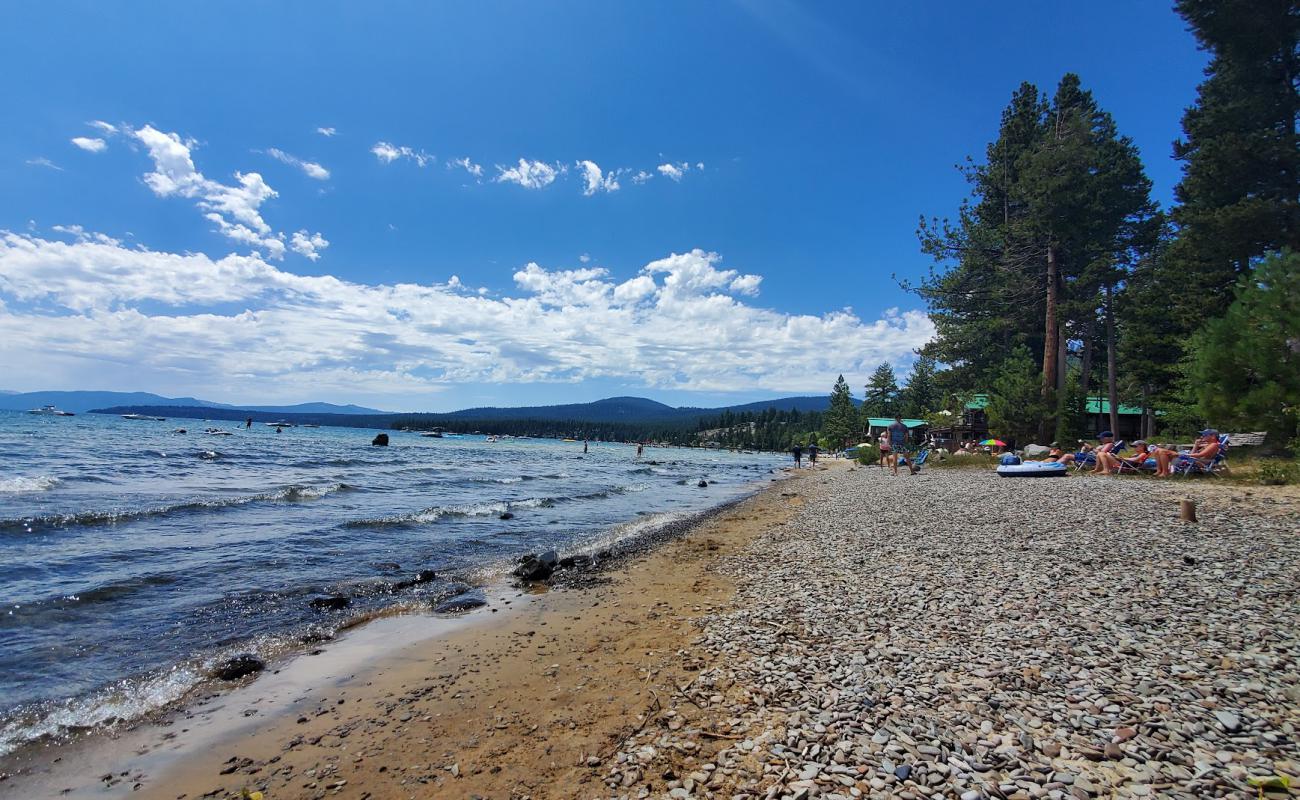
<point>703,484</point>
<point>462,602</point>
<point>1230,722</point>
<point>534,570</point>
<point>423,576</point>
<point>506,515</point>
<point>1036,450</point>
<point>575,562</point>
<point>232,669</point>
<point>1051,749</point>
<point>1113,751</point>
<point>903,772</point>
<point>332,603</point>
<point>380,441</point>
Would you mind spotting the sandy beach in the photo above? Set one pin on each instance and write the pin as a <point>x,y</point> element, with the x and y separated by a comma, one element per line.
<point>845,633</point>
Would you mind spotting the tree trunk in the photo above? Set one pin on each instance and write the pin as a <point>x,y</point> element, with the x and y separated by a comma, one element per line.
<point>1085,358</point>
<point>1112,387</point>
<point>1050,339</point>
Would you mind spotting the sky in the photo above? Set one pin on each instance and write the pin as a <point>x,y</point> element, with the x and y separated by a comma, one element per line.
<point>429,206</point>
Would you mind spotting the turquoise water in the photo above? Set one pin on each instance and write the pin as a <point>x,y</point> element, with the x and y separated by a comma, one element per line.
<point>133,556</point>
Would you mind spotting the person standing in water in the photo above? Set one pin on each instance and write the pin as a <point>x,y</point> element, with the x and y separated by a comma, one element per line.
<point>248,423</point>
<point>584,447</point>
<point>639,448</point>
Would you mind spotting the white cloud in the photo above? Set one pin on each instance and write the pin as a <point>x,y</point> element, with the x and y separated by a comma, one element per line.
<point>310,168</point>
<point>308,245</point>
<point>235,210</point>
<point>91,307</point>
<point>388,153</point>
<point>597,181</point>
<point>42,161</point>
<point>326,131</point>
<point>674,171</point>
<point>90,145</point>
<point>529,174</point>
<point>642,176</point>
<point>103,127</point>
<point>469,166</point>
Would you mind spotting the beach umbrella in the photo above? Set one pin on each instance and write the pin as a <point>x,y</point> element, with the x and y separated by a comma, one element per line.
<point>994,443</point>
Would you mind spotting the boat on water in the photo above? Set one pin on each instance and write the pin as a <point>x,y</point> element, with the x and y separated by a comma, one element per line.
<point>279,424</point>
<point>51,411</point>
<point>493,439</point>
<point>217,432</point>
<point>144,417</point>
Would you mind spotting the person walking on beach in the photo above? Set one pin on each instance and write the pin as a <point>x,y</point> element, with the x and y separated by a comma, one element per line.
<point>797,452</point>
<point>813,449</point>
<point>897,441</point>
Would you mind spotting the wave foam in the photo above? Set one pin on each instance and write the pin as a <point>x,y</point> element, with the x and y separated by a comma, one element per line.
<point>35,483</point>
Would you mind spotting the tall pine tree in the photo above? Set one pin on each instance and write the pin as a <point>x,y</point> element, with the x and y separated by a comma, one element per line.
<point>881,398</point>
<point>921,395</point>
<point>1240,193</point>
<point>840,423</point>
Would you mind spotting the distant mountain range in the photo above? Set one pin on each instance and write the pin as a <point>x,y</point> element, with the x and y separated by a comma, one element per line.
<point>82,402</point>
<point>612,410</point>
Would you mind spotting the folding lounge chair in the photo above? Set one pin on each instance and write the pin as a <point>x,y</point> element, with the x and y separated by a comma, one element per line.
<point>914,465</point>
<point>1186,465</point>
<point>1089,459</point>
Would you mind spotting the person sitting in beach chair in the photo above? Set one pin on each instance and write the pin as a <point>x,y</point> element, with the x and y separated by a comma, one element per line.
<point>1143,458</point>
<point>1087,453</point>
<point>1206,453</point>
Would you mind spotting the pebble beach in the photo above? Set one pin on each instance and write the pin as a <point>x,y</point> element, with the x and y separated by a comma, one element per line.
<point>957,635</point>
<point>845,633</point>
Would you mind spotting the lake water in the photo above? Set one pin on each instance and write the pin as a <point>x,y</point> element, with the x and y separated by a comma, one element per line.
<point>133,557</point>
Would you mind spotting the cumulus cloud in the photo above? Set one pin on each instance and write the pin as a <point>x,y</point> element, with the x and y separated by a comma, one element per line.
<point>309,168</point>
<point>234,209</point>
<point>308,245</point>
<point>89,144</point>
<point>597,181</point>
<point>388,153</point>
<point>674,171</point>
<point>466,164</point>
<point>326,131</point>
<point>529,174</point>
<point>681,323</point>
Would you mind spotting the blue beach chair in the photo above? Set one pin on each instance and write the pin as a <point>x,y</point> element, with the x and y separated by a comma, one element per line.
<point>914,465</point>
<point>1186,465</point>
<point>1089,459</point>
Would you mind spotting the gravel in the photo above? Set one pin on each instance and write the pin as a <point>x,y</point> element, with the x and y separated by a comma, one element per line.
<point>955,634</point>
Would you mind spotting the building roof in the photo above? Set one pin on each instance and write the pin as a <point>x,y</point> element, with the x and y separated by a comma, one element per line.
<point>1094,405</point>
<point>885,422</point>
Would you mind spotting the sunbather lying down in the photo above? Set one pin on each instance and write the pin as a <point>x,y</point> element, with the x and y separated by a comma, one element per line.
<point>1207,446</point>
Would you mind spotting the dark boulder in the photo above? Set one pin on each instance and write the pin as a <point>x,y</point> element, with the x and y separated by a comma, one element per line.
<point>703,484</point>
<point>537,568</point>
<point>461,602</point>
<point>332,603</point>
<point>232,669</point>
<point>387,566</point>
<point>423,576</point>
<point>380,441</point>
<point>506,515</point>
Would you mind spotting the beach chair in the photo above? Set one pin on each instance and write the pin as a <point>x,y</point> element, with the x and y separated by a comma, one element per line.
<point>1148,465</point>
<point>1186,465</point>
<point>1089,459</point>
<point>914,464</point>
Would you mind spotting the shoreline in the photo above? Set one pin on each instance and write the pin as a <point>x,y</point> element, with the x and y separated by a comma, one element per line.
<point>178,731</point>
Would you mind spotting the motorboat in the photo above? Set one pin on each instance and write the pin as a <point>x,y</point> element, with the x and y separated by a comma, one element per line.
<point>493,439</point>
<point>144,417</point>
<point>51,411</point>
<point>278,424</point>
<point>217,432</point>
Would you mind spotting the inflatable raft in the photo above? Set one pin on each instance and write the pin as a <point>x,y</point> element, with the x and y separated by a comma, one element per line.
<point>1033,469</point>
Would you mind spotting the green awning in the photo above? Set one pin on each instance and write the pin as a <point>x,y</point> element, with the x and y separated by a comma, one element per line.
<point>1094,405</point>
<point>885,422</point>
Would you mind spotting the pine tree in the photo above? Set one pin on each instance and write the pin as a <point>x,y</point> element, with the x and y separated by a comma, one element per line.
<point>881,398</point>
<point>1238,196</point>
<point>841,420</point>
<point>921,395</point>
<point>1016,406</point>
<point>1244,368</point>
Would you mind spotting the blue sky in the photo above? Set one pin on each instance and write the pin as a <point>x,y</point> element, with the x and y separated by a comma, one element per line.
<point>793,143</point>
